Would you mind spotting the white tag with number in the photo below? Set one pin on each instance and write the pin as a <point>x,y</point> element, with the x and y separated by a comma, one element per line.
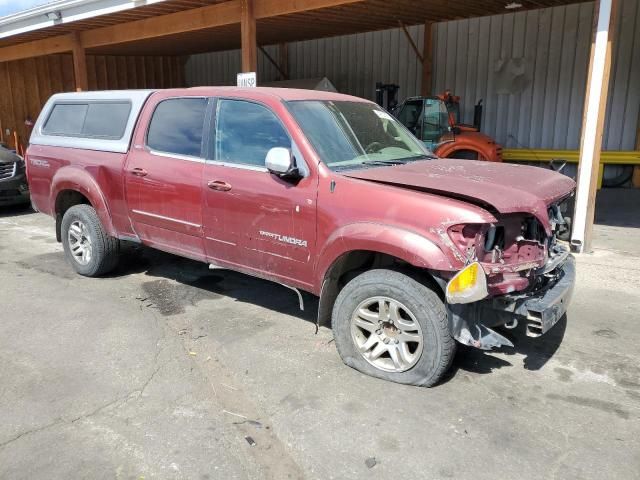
<point>247,79</point>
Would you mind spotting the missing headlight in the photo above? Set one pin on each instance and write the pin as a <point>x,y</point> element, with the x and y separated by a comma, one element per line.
<point>494,238</point>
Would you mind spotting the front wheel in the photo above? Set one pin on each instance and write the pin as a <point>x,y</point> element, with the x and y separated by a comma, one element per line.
<point>391,326</point>
<point>88,248</point>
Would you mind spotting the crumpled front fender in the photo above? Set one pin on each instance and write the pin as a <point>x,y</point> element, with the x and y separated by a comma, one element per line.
<point>407,245</point>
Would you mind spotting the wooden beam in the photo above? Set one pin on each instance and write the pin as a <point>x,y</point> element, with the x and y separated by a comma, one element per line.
<point>194,19</point>
<point>282,73</point>
<point>248,37</point>
<point>283,60</point>
<point>427,60</point>
<point>79,65</point>
<point>274,8</point>
<point>48,46</point>
<point>411,42</point>
<point>212,16</point>
<point>593,123</point>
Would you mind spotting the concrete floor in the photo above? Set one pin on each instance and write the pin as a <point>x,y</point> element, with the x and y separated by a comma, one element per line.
<point>162,369</point>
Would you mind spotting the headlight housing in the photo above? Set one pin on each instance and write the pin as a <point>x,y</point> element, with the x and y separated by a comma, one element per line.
<point>468,285</point>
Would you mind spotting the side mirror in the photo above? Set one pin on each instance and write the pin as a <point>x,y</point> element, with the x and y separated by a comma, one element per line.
<point>281,162</point>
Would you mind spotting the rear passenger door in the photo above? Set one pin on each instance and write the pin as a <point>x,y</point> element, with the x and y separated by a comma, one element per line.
<point>164,173</point>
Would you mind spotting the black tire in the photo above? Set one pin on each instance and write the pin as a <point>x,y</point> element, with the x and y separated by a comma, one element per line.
<point>438,347</point>
<point>104,248</point>
<point>466,155</point>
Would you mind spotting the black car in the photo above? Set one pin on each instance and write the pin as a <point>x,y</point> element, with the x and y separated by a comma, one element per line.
<point>14,189</point>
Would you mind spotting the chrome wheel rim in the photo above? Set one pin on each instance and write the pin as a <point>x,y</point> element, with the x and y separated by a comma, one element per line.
<point>387,334</point>
<point>80,242</point>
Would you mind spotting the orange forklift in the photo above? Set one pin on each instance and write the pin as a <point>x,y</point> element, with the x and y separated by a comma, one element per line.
<point>436,121</point>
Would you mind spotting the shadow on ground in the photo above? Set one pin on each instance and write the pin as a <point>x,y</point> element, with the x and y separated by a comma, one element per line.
<point>200,282</point>
<point>16,210</point>
<point>176,283</point>
<point>618,207</point>
<point>536,351</point>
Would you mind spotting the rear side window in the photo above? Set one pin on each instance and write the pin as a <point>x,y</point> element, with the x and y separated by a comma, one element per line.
<point>66,119</point>
<point>106,120</point>
<point>176,126</point>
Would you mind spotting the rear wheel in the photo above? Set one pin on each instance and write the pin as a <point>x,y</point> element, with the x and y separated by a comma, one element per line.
<point>87,247</point>
<point>389,325</point>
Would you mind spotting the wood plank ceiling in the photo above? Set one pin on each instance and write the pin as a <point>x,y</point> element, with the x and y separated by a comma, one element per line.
<point>366,15</point>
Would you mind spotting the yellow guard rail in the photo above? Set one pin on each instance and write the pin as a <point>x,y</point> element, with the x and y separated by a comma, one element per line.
<point>610,157</point>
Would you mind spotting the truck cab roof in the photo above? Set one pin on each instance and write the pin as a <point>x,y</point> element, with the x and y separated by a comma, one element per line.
<point>105,120</point>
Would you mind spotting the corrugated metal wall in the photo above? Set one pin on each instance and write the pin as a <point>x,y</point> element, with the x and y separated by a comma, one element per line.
<point>528,67</point>
<point>353,63</point>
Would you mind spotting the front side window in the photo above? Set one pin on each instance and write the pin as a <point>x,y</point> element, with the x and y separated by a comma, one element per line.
<point>246,131</point>
<point>350,134</point>
<point>177,125</point>
<point>106,120</point>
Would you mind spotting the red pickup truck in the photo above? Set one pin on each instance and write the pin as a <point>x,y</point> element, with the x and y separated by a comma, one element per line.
<point>318,191</point>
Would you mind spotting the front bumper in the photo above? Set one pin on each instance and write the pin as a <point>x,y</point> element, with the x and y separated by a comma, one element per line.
<point>540,310</point>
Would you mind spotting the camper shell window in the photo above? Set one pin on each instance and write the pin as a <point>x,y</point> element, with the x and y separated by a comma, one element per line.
<point>91,119</point>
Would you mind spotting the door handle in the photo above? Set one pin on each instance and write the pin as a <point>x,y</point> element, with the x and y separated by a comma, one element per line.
<point>139,172</point>
<point>219,185</point>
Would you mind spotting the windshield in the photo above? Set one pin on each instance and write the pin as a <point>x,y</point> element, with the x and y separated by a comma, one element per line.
<point>356,134</point>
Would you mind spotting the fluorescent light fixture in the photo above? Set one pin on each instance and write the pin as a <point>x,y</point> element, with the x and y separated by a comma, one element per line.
<point>54,15</point>
<point>513,5</point>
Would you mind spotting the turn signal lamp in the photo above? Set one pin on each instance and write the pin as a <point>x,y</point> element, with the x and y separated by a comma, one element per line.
<point>468,285</point>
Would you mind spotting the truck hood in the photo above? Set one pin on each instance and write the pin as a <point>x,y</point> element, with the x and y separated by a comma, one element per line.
<point>502,187</point>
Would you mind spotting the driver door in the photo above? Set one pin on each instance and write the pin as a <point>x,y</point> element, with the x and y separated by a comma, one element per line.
<point>254,220</point>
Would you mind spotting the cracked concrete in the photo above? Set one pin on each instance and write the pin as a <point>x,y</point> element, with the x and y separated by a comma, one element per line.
<point>162,369</point>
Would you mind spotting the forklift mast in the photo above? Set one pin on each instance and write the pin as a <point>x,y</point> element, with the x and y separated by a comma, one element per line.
<point>387,95</point>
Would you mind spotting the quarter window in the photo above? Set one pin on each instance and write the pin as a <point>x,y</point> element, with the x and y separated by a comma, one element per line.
<point>176,126</point>
<point>246,131</point>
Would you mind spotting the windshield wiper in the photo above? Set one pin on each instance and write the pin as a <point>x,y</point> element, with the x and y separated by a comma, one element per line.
<point>418,157</point>
<point>385,162</point>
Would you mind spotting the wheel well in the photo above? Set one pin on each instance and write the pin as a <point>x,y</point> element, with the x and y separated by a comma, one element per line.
<point>351,264</point>
<point>64,201</point>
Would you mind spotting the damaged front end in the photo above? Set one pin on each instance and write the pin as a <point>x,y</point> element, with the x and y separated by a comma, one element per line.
<point>516,271</point>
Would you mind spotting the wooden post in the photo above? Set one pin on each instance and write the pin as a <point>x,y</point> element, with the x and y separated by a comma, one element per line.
<point>595,107</point>
<point>283,60</point>
<point>79,65</point>
<point>427,60</point>
<point>248,35</point>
